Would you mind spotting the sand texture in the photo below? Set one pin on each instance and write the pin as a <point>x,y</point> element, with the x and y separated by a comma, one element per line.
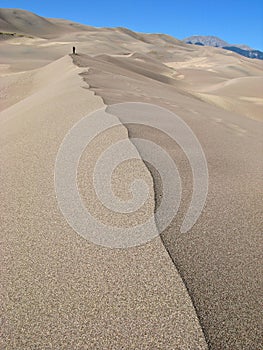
<point>198,290</point>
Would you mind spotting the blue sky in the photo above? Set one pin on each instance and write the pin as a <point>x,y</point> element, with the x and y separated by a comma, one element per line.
<point>238,22</point>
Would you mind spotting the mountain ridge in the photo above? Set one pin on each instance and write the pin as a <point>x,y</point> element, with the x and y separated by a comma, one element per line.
<point>214,41</point>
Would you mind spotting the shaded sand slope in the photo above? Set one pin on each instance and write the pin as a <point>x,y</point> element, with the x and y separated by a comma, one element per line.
<point>59,290</point>
<point>219,259</point>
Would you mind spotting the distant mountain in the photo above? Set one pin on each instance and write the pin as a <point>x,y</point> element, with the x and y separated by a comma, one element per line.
<point>206,40</point>
<point>247,53</point>
<point>214,41</point>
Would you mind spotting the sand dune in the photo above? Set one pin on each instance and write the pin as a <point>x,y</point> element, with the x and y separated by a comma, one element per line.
<point>235,96</point>
<point>201,70</point>
<point>231,144</point>
<point>239,87</point>
<point>19,21</point>
<point>224,80</point>
<point>56,101</point>
<point>193,291</point>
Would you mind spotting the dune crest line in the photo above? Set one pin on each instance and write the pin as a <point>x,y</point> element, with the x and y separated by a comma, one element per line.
<point>157,194</point>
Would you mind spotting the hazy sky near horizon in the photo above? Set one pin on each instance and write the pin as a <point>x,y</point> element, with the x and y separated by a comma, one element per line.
<point>238,22</point>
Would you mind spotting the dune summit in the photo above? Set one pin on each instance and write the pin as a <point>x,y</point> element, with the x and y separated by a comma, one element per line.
<point>198,290</point>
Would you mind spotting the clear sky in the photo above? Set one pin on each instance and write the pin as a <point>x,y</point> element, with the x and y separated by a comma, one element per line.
<point>238,22</point>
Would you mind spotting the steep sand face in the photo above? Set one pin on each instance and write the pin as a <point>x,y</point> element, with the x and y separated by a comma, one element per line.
<point>60,290</point>
<point>219,259</point>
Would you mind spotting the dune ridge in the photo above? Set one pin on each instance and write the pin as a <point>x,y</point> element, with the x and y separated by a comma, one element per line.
<point>219,132</point>
<point>193,291</point>
<point>195,70</point>
<point>62,271</point>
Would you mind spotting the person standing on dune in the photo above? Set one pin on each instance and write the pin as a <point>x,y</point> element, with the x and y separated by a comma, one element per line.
<point>74,50</point>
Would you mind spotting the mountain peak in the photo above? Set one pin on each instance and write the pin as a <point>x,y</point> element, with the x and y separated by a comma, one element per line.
<point>207,40</point>
<point>214,41</point>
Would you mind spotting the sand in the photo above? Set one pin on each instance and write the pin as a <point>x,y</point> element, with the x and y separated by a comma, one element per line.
<point>61,291</point>
<point>194,291</point>
<point>219,259</point>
